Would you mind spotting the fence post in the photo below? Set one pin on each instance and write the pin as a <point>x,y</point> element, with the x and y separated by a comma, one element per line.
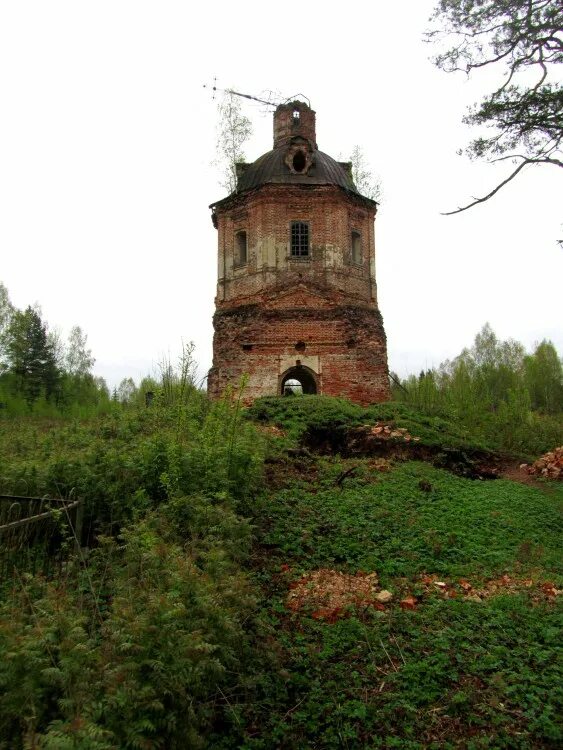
<point>79,519</point>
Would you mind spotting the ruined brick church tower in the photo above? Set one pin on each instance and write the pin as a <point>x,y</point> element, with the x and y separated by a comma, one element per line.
<point>296,305</point>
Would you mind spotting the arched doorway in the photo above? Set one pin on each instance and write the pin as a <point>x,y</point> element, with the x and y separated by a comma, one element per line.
<point>298,380</point>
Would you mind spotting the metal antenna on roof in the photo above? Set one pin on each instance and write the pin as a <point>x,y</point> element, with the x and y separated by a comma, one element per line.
<point>298,96</point>
<point>270,102</point>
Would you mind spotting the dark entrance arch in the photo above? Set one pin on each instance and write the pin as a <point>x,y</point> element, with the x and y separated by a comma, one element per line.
<point>298,380</point>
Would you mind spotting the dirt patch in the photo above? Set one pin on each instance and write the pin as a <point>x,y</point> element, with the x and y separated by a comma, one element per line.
<point>271,430</point>
<point>516,472</point>
<point>384,440</point>
<point>279,471</point>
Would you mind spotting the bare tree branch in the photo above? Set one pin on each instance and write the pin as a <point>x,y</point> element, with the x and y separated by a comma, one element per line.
<point>489,195</point>
<point>519,37</point>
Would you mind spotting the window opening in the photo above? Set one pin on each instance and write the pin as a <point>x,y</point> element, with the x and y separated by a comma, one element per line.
<point>299,161</point>
<point>300,346</point>
<point>296,116</point>
<point>240,249</point>
<point>356,247</point>
<point>299,239</point>
<point>247,347</point>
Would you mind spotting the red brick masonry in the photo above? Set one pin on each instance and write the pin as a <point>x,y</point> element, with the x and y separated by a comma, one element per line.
<point>275,312</point>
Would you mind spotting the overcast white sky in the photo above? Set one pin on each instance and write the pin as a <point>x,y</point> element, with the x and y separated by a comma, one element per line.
<point>106,139</point>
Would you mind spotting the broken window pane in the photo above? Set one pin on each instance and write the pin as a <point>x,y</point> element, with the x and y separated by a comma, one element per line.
<point>240,249</point>
<point>356,247</point>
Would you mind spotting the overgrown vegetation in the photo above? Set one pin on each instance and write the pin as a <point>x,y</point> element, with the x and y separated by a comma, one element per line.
<point>304,416</point>
<point>496,393</point>
<point>133,645</point>
<point>170,623</point>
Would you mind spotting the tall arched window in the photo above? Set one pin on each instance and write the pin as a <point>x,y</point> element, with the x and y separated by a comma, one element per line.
<point>240,249</point>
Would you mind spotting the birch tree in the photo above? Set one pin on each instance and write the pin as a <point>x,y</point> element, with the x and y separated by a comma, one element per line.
<point>234,129</point>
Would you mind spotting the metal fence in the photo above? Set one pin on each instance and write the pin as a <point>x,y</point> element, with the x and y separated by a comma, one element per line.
<point>36,534</point>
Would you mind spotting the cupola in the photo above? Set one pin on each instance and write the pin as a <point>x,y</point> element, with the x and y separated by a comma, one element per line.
<point>295,157</point>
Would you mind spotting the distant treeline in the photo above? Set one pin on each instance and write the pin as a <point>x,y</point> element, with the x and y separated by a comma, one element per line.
<point>43,374</point>
<point>496,391</point>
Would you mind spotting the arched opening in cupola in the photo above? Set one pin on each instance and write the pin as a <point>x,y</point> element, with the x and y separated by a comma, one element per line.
<point>299,161</point>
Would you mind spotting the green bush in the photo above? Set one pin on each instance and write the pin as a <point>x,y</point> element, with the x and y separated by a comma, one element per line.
<point>132,652</point>
<point>496,393</point>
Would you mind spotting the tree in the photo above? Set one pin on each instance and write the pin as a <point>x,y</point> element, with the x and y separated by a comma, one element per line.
<point>524,38</point>
<point>30,355</point>
<point>364,179</point>
<point>6,312</point>
<point>178,382</point>
<point>57,344</point>
<point>6,307</point>
<point>234,130</point>
<point>544,378</point>
<point>78,360</point>
<point>126,391</point>
<point>484,374</point>
<point>102,387</point>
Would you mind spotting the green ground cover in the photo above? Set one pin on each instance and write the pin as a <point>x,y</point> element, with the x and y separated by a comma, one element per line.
<point>175,631</point>
<point>412,519</point>
<point>450,673</point>
<point>304,414</point>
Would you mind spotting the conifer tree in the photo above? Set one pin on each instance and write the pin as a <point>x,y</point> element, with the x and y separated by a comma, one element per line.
<point>30,355</point>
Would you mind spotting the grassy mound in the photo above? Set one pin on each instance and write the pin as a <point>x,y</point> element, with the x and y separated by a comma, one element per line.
<point>177,628</point>
<point>306,414</point>
<point>410,520</point>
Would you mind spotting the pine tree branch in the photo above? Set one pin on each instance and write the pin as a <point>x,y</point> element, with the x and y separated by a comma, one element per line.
<point>493,192</point>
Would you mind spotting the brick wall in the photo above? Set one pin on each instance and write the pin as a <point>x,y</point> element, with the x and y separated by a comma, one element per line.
<point>266,216</point>
<point>286,126</point>
<point>275,311</point>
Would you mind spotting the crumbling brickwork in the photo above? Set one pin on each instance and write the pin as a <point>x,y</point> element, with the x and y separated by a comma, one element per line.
<point>279,315</point>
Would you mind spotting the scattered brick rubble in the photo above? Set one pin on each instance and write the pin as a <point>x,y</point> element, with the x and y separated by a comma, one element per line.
<point>463,589</point>
<point>387,431</point>
<point>330,595</point>
<point>550,465</point>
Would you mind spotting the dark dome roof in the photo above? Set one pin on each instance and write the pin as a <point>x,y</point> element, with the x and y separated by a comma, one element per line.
<point>271,167</point>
